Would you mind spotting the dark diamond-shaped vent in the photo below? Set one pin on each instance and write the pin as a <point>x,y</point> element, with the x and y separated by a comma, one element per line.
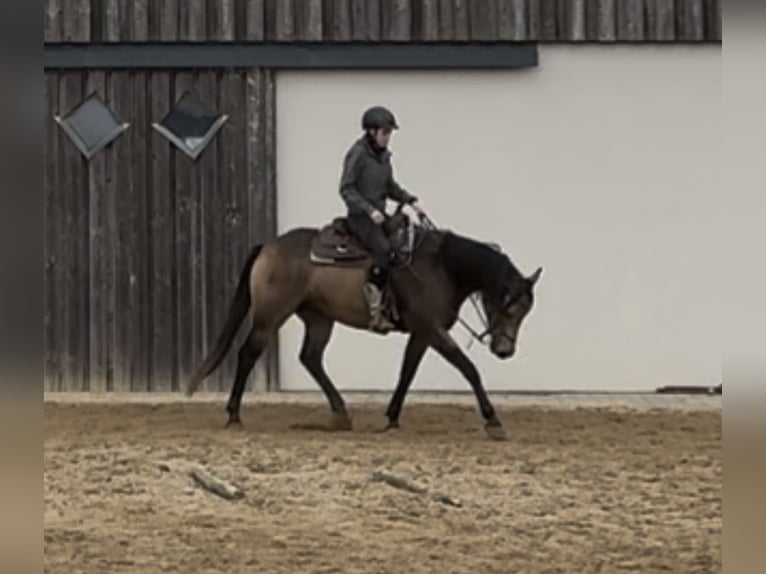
<point>91,125</point>
<point>190,125</point>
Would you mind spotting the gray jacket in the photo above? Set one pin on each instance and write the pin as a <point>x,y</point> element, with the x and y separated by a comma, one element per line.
<point>368,180</point>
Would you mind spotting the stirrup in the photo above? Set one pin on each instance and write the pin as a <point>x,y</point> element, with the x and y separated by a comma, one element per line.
<point>378,321</point>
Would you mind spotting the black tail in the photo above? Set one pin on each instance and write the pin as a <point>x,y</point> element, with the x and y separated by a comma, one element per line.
<point>238,310</point>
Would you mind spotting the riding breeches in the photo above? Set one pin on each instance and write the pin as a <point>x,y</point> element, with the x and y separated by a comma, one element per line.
<point>374,239</point>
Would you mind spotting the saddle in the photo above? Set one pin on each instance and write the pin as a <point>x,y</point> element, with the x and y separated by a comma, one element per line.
<point>336,245</point>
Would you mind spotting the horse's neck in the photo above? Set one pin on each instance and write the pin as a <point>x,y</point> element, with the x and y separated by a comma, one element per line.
<point>472,266</point>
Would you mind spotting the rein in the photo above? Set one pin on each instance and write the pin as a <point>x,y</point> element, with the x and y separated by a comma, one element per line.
<point>480,337</point>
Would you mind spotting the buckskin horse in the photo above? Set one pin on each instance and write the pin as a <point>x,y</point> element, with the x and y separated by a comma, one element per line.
<point>318,274</point>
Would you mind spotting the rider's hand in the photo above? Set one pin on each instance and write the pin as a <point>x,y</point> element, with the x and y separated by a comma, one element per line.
<point>377,217</point>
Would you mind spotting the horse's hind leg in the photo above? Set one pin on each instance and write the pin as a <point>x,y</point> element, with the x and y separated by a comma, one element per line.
<point>248,354</point>
<point>317,335</point>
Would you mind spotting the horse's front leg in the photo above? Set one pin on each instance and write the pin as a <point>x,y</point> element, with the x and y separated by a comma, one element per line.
<point>413,355</point>
<point>447,347</point>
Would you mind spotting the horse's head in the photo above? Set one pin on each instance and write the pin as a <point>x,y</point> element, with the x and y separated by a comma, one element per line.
<point>506,309</point>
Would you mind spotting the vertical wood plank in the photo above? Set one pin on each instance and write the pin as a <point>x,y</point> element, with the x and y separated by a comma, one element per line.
<point>97,21</point>
<point>221,20</point>
<point>359,22</point>
<point>573,28</point>
<point>631,23</point>
<point>215,186</point>
<point>52,244</point>
<point>207,244</point>
<point>235,201</point>
<point>256,20</point>
<point>238,223</point>
<point>661,20</point>
<point>534,14</point>
<point>461,20</point>
<point>61,252</point>
<point>483,20</point>
<point>53,21</point>
<point>162,20</point>
<point>192,20</point>
<point>111,21</point>
<point>340,19</point>
<point>310,27</point>
<point>397,20</point>
<point>429,16</point>
<point>512,20</point>
<point>690,20</point>
<point>446,20</point>
<point>162,241</point>
<point>256,152</point>
<point>168,26</point>
<point>125,11</point>
<point>548,23</point>
<point>374,21</point>
<point>602,20</point>
<point>285,21</point>
<point>101,224</point>
<point>256,178</point>
<point>713,22</point>
<point>72,258</point>
<point>140,20</point>
<point>257,186</point>
<point>140,257</point>
<point>76,21</point>
<point>188,264</point>
<point>270,203</point>
<point>122,186</point>
<point>80,326</point>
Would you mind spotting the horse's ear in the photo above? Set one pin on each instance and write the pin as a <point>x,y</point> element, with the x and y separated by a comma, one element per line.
<point>535,276</point>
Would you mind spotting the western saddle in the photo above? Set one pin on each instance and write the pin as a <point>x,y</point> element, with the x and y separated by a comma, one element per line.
<point>335,245</point>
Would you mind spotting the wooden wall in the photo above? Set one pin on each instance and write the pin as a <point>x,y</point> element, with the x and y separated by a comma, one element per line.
<point>143,246</point>
<point>375,20</point>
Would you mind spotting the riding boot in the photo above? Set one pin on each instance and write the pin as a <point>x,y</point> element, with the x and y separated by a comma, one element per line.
<point>378,321</point>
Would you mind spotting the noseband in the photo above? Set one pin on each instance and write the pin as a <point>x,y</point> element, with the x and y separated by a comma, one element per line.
<point>489,325</point>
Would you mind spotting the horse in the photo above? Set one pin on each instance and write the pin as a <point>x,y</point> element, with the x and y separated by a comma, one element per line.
<point>282,278</point>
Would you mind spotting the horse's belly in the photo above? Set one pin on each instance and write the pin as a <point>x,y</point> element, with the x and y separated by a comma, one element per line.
<point>338,293</point>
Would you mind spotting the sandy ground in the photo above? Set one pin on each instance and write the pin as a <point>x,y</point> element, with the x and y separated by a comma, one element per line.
<point>574,490</point>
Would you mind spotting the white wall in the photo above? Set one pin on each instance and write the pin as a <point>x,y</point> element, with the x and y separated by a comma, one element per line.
<point>601,165</point>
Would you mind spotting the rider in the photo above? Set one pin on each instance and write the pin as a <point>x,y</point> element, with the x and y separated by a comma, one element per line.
<point>367,181</point>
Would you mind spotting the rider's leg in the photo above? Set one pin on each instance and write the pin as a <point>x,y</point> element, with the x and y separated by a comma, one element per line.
<point>374,239</point>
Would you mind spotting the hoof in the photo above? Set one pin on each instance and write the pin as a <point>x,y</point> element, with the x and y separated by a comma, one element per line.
<point>340,422</point>
<point>391,426</point>
<point>495,431</point>
<point>234,423</point>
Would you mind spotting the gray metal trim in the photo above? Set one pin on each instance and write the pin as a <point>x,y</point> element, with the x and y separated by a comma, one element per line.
<point>308,55</point>
<point>101,144</point>
<point>193,154</point>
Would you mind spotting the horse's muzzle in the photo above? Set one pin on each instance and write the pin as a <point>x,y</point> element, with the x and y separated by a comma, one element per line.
<point>503,349</point>
<point>505,354</point>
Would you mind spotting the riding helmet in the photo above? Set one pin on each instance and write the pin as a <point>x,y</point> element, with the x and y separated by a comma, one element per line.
<point>379,117</point>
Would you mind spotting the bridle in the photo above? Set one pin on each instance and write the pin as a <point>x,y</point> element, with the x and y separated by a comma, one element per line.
<point>487,325</point>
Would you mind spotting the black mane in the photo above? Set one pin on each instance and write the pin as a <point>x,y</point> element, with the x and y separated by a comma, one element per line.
<point>477,266</point>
